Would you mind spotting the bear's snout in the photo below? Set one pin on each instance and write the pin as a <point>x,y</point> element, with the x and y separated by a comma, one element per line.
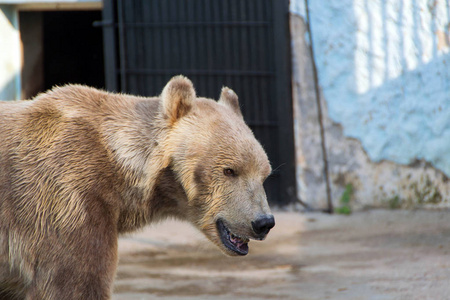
<point>263,224</point>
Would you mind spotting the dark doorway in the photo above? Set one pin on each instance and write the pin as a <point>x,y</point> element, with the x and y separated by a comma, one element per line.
<point>60,47</point>
<point>240,44</point>
<point>73,48</point>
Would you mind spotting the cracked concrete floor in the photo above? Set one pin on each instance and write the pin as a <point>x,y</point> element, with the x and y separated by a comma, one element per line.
<point>377,254</point>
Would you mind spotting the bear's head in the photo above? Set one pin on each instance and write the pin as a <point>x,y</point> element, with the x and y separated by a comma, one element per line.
<point>220,165</point>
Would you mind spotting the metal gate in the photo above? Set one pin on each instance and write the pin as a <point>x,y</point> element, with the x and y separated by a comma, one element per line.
<point>243,44</point>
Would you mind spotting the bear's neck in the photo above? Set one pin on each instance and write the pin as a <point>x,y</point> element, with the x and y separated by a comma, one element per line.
<point>167,200</point>
<point>148,188</point>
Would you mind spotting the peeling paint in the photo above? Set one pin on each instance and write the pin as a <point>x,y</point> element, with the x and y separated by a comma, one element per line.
<point>383,182</point>
<point>384,70</point>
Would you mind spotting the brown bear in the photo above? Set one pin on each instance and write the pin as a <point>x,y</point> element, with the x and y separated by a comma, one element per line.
<point>79,166</point>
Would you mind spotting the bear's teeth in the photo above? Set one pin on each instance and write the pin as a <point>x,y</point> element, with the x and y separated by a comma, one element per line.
<point>237,239</point>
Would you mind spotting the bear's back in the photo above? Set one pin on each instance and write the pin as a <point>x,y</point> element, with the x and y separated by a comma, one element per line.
<point>53,152</point>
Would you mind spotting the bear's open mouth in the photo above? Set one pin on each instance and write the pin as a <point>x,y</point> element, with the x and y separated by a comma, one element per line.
<point>235,243</point>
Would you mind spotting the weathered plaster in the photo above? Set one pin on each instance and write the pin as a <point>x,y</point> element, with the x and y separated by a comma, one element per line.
<point>384,74</point>
<point>309,156</point>
<point>380,183</point>
<point>384,69</point>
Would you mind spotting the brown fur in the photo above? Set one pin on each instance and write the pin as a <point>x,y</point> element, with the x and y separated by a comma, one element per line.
<point>79,166</point>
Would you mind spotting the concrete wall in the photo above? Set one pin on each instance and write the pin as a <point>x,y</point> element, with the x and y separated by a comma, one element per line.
<point>383,71</point>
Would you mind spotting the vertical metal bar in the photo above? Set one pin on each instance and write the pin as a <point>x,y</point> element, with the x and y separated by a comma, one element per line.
<point>268,58</point>
<point>283,90</point>
<point>165,36</point>
<point>254,52</point>
<point>221,45</point>
<point>226,40</point>
<point>172,36</point>
<point>158,47</point>
<point>190,34</point>
<point>122,41</point>
<point>273,183</point>
<point>235,54</point>
<point>109,45</point>
<point>190,37</point>
<point>131,46</point>
<point>201,51</point>
<point>176,35</point>
<point>137,15</point>
<point>210,49</point>
<point>160,18</point>
<point>148,53</point>
<point>182,35</point>
<point>260,62</point>
<point>244,62</point>
<point>270,132</point>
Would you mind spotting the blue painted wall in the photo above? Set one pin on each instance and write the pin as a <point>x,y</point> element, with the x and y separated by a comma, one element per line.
<point>384,71</point>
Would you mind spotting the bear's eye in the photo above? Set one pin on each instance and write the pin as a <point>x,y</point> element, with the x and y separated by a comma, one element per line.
<point>228,172</point>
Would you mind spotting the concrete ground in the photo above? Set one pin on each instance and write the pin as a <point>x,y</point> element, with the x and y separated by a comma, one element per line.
<point>376,254</point>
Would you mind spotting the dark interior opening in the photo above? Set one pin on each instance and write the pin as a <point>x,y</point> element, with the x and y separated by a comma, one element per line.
<point>73,48</point>
<point>61,47</point>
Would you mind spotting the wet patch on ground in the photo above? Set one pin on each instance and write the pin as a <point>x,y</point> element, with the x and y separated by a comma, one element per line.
<point>368,255</point>
<point>188,271</point>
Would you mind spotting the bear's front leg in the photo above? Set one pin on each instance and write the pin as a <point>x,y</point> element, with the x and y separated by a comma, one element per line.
<point>67,283</point>
<point>78,265</point>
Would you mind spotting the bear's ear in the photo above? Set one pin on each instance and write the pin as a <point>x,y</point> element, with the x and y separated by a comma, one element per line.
<point>229,98</point>
<point>177,98</point>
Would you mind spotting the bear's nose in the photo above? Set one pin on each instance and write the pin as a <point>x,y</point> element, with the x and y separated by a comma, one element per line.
<point>263,224</point>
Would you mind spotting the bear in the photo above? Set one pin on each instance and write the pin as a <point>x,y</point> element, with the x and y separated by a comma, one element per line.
<point>80,166</point>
